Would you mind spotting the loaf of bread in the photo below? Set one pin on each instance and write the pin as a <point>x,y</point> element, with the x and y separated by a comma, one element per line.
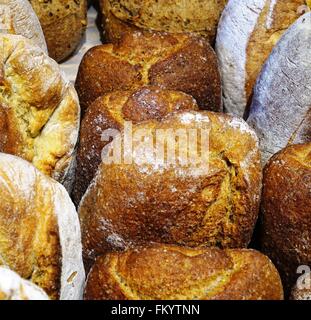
<point>162,272</point>
<point>63,23</point>
<point>13,287</point>
<point>202,193</point>
<point>40,235</point>
<point>18,17</point>
<point>247,32</point>
<point>286,209</point>
<point>39,109</point>
<point>281,108</point>
<point>175,16</point>
<point>111,112</point>
<point>175,62</point>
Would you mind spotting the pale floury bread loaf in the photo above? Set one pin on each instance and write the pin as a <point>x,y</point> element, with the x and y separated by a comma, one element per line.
<point>13,287</point>
<point>247,32</point>
<point>281,109</point>
<point>39,230</point>
<point>18,17</point>
<point>39,109</point>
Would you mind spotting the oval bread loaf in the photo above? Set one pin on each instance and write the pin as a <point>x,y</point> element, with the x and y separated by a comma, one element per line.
<point>13,287</point>
<point>205,193</point>
<point>40,235</point>
<point>162,272</point>
<point>286,211</point>
<point>175,16</point>
<point>281,109</point>
<point>247,32</point>
<point>18,17</point>
<point>39,109</point>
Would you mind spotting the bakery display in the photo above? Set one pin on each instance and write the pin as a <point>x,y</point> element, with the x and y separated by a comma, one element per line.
<point>39,109</point>
<point>110,112</point>
<point>198,274</point>
<point>63,23</point>
<point>280,110</point>
<point>39,230</point>
<point>208,198</point>
<point>13,287</point>
<point>286,203</point>
<point>175,16</point>
<point>175,62</point>
<point>18,17</point>
<point>247,33</point>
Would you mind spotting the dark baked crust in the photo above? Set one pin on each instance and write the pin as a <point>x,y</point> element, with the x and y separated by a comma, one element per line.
<point>176,62</point>
<point>110,112</point>
<point>162,272</point>
<point>286,203</point>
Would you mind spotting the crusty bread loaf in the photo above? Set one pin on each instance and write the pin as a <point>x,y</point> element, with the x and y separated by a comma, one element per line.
<point>281,108</point>
<point>18,17</point>
<point>40,235</point>
<point>286,209</point>
<point>63,23</point>
<point>13,287</point>
<point>210,201</point>
<point>175,62</point>
<point>110,112</point>
<point>200,17</point>
<point>39,109</point>
<point>247,32</point>
<point>162,272</point>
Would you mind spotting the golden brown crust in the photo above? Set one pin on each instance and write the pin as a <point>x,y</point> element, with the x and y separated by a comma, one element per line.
<point>286,203</point>
<point>176,62</point>
<point>212,204</point>
<point>162,272</point>
<point>63,23</point>
<point>200,17</point>
<point>110,112</point>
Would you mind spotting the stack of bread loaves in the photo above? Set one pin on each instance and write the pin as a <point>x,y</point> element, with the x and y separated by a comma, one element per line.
<point>155,192</point>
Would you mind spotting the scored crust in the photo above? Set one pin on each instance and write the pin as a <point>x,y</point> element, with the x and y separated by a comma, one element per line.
<point>39,230</point>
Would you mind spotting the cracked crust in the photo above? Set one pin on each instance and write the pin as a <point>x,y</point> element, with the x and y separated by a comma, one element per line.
<point>39,230</point>
<point>280,112</point>
<point>162,272</point>
<point>174,62</point>
<point>39,108</point>
<point>214,203</point>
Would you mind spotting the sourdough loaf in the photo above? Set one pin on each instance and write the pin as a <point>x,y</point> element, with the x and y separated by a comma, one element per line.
<point>175,62</point>
<point>18,17</point>
<point>39,109</point>
<point>280,112</point>
<point>247,32</point>
<point>13,287</point>
<point>162,272</point>
<point>175,16</point>
<point>110,112</point>
<point>40,235</point>
<point>286,211</point>
<point>63,23</point>
<point>202,193</point>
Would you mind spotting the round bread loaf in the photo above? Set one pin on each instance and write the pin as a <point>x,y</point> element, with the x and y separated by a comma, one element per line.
<point>39,109</point>
<point>63,23</point>
<point>286,203</point>
<point>162,272</point>
<point>175,62</point>
<point>247,32</point>
<point>280,112</point>
<point>111,112</point>
<point>40,235</point>
<point>18,17</point>
<point>200,17</point>
<point>199,185</point>
<point>13,287</point>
